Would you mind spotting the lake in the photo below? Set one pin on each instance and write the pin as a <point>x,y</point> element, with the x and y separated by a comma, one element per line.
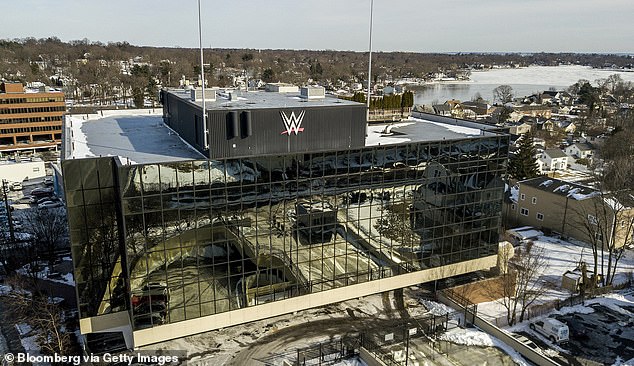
<point>524,81</point>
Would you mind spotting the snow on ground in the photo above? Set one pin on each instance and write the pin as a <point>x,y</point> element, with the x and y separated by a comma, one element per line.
<point>28,338</point>
<point>351,362</point>
<point>472,337</point>
<point>562,256</point>
<point>436,308</point>
<point>44,274</point>
<point>222,345</point>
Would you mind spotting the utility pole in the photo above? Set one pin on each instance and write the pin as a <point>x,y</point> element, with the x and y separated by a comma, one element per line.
<point>8,208</point>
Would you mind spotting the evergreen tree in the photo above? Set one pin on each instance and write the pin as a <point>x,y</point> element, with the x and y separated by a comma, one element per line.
<point>523,164</point>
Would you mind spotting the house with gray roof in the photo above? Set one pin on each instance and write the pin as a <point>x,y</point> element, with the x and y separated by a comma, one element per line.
<point>552,160</point>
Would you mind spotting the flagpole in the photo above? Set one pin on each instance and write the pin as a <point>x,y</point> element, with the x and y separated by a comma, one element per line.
<point>202,76</point>
<point>369,68</point>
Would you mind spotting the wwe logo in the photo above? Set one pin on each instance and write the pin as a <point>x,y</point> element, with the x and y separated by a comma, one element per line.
<point>292,123</point>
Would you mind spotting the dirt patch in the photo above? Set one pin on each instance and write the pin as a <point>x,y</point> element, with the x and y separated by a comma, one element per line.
<point>481,291</point>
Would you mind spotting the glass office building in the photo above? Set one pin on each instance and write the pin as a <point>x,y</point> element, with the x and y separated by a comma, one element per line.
<point>168,242</point>
<point>209,236</point>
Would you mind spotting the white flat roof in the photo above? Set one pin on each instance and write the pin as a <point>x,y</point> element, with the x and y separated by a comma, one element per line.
<point>137,136</point>
<point>416,130</point>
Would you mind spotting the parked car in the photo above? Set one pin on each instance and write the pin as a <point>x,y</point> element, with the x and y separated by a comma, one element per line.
<point>47,198</point>
<point>16,186</point>
<point>552,329</point>
<point>151,292</point>
<point>41,192</point>
<point>49,204</point>
<point>48,181</point>
<point>25,199</point>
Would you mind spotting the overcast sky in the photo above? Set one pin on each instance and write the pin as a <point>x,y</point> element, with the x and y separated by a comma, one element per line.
<point>399,25</point>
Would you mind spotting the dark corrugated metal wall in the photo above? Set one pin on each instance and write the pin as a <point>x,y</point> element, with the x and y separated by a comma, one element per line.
<point>324,128</point>
<point>182,119</point>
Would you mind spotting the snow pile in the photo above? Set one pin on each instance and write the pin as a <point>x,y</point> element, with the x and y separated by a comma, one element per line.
<point>620,362</point>
<point>68,278</point>
<point>44,273</point>
<point>350,362</point>
<point>581,196</point>
<point>436,308</point>
<point>515,193</point>
<point>471,337</point>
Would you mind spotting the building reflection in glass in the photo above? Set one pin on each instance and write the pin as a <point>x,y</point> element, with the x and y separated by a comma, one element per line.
<point>176,241</point>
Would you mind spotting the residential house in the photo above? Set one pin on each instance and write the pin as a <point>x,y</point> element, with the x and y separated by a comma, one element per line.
<point>519,128</point>
<point>553,159</point>
<point>453,108</point>
<point>594,138</point>
<point>553,97</point>
<point>567,126</point>
<point>570,209</point>
<point>580,150</point>
<point>533,110</point>
<point>481,109</point>
<point>442,110</point>
<point>547,125</point>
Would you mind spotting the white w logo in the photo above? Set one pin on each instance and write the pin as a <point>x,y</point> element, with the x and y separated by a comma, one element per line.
<point>292,122</point>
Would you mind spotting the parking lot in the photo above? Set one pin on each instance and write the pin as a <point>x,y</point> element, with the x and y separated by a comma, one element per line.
<point>601,332</point>
<point>603,335</point>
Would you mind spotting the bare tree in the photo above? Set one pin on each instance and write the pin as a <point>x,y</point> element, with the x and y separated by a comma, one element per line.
<point>522,284</point>
<point>48,227</point>
<point>608,223</point>
<point>43,315</point>
<point>608,218</point>
<point>503,94</point>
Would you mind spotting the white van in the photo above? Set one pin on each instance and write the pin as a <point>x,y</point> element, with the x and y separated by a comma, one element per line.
<point>552,329</point>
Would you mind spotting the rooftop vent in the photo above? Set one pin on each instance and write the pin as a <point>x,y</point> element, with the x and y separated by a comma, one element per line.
<point>312,92</point>
<point>197,95</point>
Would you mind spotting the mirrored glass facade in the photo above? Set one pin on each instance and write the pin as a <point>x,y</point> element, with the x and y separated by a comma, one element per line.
<point>176,241</point>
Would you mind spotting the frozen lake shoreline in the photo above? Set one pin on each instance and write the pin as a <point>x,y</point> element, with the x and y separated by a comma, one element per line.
<point>524,81</point>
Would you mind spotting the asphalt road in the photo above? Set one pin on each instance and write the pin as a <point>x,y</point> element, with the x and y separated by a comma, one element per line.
<point>273,347</point>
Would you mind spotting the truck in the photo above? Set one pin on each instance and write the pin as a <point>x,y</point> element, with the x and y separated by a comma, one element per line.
<point>552,329</point>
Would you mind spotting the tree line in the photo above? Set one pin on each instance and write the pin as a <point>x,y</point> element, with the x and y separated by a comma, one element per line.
<point>385,102</point>
<point>93,70</point>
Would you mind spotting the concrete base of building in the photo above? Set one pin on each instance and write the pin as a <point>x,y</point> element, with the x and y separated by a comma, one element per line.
<point>212,322</point>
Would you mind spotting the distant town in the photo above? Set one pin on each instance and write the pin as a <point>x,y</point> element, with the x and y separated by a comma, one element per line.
<point>273,210</point>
